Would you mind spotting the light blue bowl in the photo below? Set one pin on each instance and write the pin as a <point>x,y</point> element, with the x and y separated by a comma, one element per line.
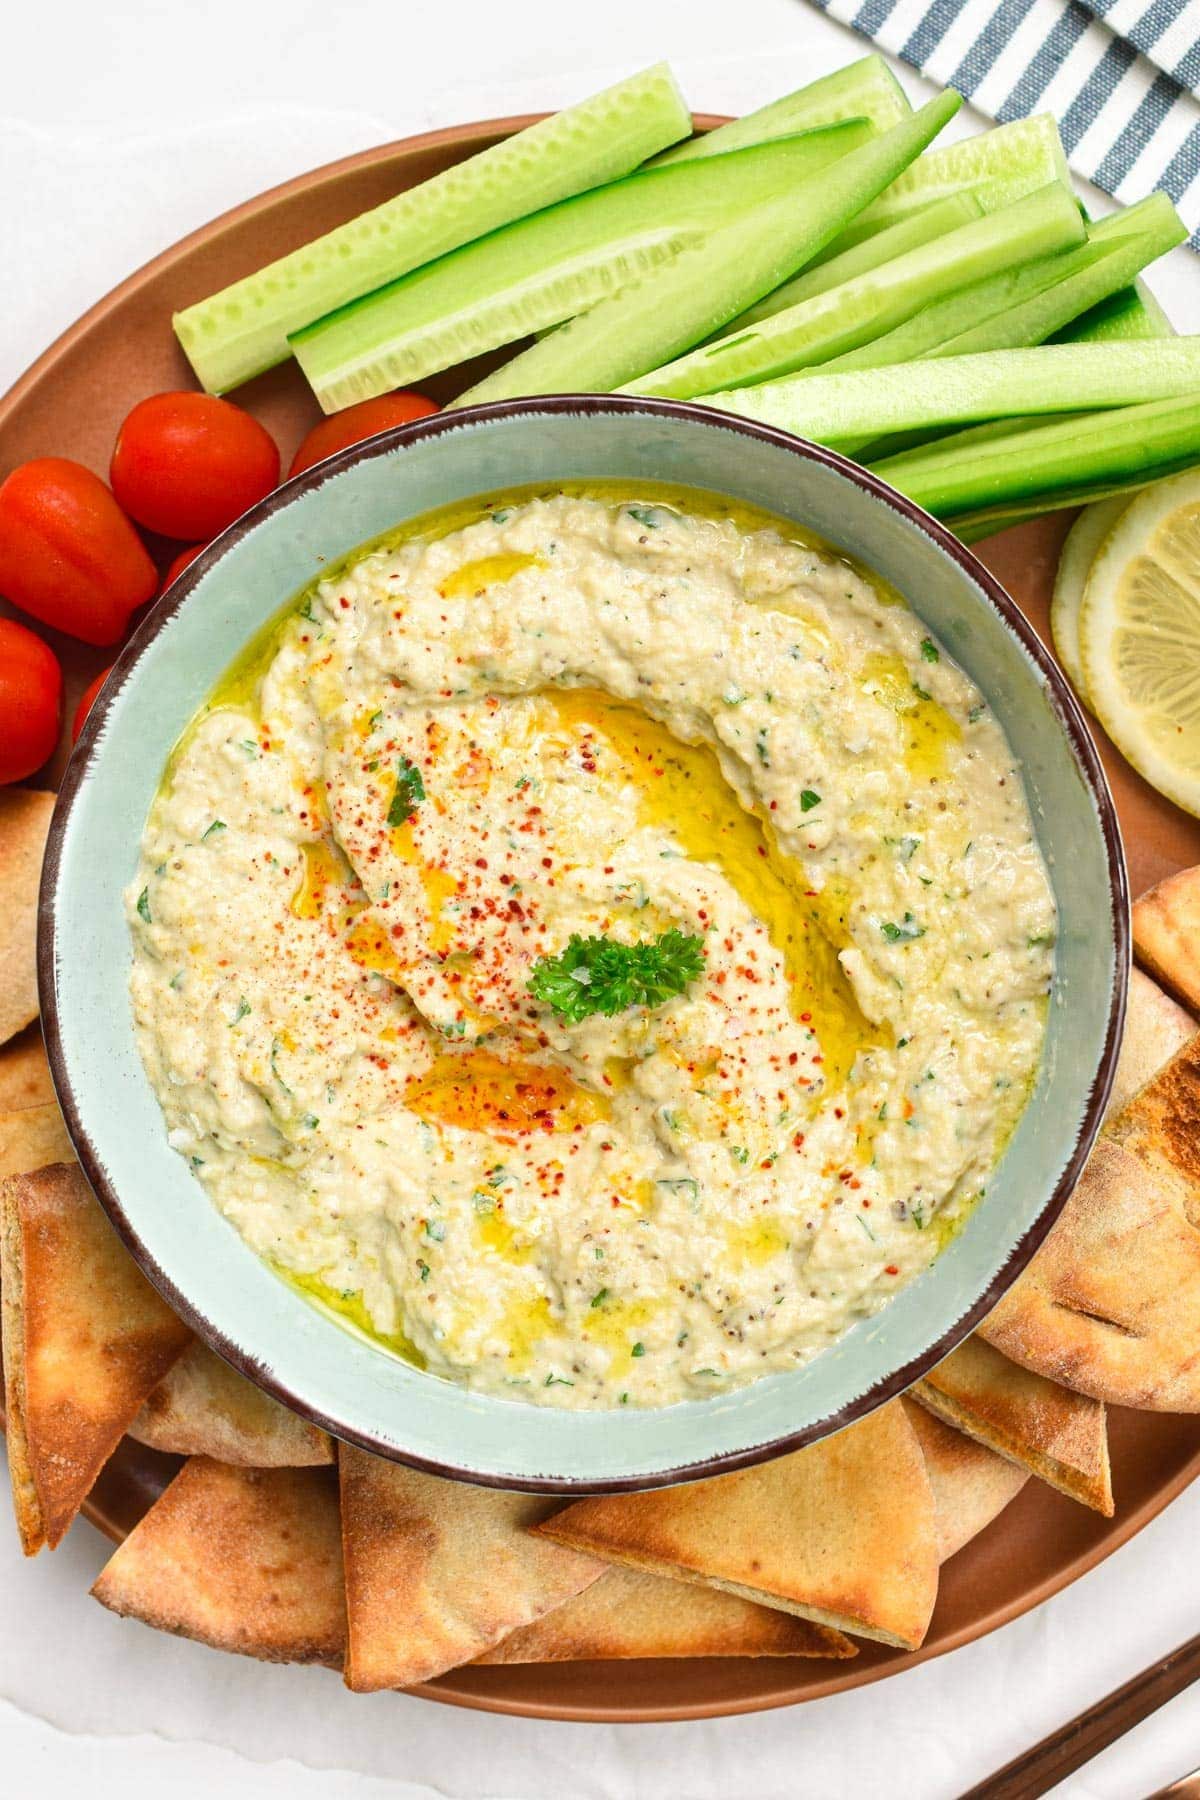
<point>198,1261</point>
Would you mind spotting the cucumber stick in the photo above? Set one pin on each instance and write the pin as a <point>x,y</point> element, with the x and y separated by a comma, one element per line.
<point>1131,313</point>
<point>992,385</point>
<point>693,295</point>
<point>1021,306</point>
<point>866,89</point>
<point>997,166</point>
<point>546,268</point>
<point>861,309</point>
<point>1065,456</point>
<point>919,228</point>
<point>244,329</point>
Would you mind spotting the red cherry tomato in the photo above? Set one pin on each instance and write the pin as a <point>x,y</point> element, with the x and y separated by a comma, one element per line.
<point>30,701</point>
<point>175,569</point>
<point>68,554</point>
<point>188,465</point>
<point>85,704</point>
<point>366,419</point>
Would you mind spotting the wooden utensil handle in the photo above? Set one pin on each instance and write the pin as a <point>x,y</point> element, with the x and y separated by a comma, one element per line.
<point>1042,1767</point>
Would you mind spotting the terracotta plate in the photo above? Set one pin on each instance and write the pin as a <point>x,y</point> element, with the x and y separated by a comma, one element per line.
<point>70,404</point>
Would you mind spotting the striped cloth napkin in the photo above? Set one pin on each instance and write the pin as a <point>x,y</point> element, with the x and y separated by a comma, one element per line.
<point>1122,77</point>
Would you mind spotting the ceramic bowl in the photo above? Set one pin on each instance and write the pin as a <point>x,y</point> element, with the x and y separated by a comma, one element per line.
<point>232,1300</point>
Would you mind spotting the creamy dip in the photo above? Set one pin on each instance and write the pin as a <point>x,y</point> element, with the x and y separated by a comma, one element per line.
<point>611,717</point>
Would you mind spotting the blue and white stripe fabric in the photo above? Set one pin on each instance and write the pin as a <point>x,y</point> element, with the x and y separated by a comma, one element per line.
<point>1122,77</point>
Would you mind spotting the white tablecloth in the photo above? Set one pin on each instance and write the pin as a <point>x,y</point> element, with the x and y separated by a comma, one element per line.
<point>121,127</point>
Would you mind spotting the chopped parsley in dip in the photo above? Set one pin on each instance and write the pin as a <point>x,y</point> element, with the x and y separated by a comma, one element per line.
<point>605,953</point>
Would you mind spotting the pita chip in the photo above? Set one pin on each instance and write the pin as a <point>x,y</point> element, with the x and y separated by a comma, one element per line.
<point>24,1071</point>
<point>1058,1435</point>
<point>971,1484</point>
<point>1166,935</point>
<point>33,1138</point>
<point>438,1571</point>
<point>1109,1304</point>
<point>85,1339</point>
<point>1155,1029</point>
<point>631,1614</point>
<point>248,1560</point>
<point>202,1407</point>
<point>842,1533</point>
<point>24,822</point>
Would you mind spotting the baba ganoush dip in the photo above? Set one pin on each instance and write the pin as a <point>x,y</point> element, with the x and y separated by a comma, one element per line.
<point>601,948</point>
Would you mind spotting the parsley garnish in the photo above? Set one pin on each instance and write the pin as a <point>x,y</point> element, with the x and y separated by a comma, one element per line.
<point>410,791</point>
<point>243,1007</point>
<point>929,650</point>
<point>905,932</point>
<point>143,904</point>
<point>217,825</point>
<point>599,1297</point>
<point>808,799</point>
<point>644,516</point>
<point>599,975</point>
<point>638,1350</point>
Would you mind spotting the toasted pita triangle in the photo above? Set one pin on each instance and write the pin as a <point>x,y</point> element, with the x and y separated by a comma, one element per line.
<point>33,1138</point>
<point>438,1571</point>
<point>24,1071</point>
<point>1161,1125</point>
<point>1155,1029</point>
<point>24,822</point>
<point>631,1614</point>
<point>1166,935</point>
<point>202,1407</point>
<point>1109,1304</point>
<point>842,1533</point>
<point>971,1484</point>
<point>85,1340</point>
<point>248,1560</point>
<point>1058,1435</point>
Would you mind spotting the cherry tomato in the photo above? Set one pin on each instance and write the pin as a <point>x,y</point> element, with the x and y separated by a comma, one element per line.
<point>31,688</point>
<point>85,704</point>
<point>188,465</point>
<point>175,569</point>
<point>68,554</point>
<point>355,423</point>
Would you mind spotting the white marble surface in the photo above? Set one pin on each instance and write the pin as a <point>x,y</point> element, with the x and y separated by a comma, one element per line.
<point>121,127</point>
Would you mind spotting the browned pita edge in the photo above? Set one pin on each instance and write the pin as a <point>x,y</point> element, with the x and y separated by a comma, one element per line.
<point>248,1560</point>
<point>24,822</point>
<point>971,1484</point>
<point>1109,1305</point>
<point>24,1071</point>
<point>32,1138</point>
<point>202,1407</point>
<point>1155,1029</point>
<point>842,1532</point>
<point>31,1526</point>
<point>1060,1436</point>
<point>85,1340</point>
<point>438,1571</point>
<point>627,1613</point>
<point>1166,935</point>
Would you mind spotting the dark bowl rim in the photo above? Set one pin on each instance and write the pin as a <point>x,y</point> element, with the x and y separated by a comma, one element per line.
<point>1071,722</point>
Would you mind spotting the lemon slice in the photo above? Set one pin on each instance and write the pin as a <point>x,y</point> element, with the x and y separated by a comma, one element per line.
<point>1139,636</point>
<point>1079,550</point>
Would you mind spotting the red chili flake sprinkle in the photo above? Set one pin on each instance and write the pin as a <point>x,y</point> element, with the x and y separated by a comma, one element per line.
<point>838,1113</point>
<point>891,1269</point>
<point>806,1018</point>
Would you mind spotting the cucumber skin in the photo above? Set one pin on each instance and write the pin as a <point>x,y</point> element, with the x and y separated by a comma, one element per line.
<point>1036,226</point>
<point>544,268</point>
<point>866,89</point>
<point>602,138</point>
<point>921,227</point>
<point>998,304</point>
<point>1130,445</point>
<point>997,166</point>
<point>988,385</point>
<point>645,324</point>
